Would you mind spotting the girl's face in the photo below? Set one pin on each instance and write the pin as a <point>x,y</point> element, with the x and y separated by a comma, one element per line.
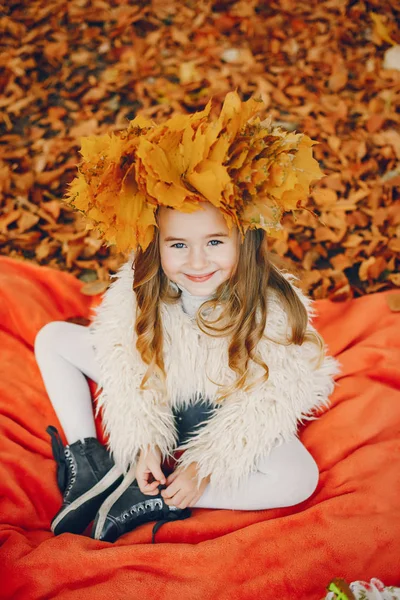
<point>198,252</point>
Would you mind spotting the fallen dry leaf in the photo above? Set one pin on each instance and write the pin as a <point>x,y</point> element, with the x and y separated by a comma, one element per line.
<point>393,301</point>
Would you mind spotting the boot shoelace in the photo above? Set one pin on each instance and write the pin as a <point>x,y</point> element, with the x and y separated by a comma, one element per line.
<point>66,474</point>
<point>174,514</point>
<point>178,515</point>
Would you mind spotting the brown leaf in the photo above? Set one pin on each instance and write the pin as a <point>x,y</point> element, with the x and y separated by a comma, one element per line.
<point>78,321</point>
<point>9,218</point>
<point>53,207</point>
<point>375,122</point>
<point>393,301</point>
<point>46,249</point>
<point>73,252</point>
<point>395,277</point>
<point>93,288</point>
<point>26,241</point>
<point>341,262</point>
<point>296,249</point>
<point>88,127</point>
<point>27,221</point>
<point>394,244</point>
<point>48,177</point>
<point>377,267</point>
<point>338,80</point>
<point>341,294</point>
<point>363,271</point>
<point>323,234</point>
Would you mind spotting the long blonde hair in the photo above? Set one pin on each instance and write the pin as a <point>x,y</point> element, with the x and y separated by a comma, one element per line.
<point>243,319</point>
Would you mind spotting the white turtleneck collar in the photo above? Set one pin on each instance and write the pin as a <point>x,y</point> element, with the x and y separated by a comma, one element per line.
<point>191,304</point>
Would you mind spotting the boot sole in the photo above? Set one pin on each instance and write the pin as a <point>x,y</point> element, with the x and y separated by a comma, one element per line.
<point>97,494</point>
<point>108,503</point>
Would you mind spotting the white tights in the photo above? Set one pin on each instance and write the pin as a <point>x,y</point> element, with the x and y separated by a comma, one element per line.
<point>288,476</point>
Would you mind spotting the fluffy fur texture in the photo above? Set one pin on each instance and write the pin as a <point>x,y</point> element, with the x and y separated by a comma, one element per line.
<point>246,426</point>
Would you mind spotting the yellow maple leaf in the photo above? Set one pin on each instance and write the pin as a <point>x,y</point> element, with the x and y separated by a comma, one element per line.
<point>92,146</point>
<point>381,29</point>
<point>210,179</point>
<point>78,193</point>
<point>262,212</point>
<point>292,198</point>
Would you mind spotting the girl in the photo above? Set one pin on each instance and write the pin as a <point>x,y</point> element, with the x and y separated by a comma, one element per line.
<point>201,346</point>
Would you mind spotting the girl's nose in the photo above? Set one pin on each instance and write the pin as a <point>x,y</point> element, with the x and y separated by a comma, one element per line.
<point>197,259</point>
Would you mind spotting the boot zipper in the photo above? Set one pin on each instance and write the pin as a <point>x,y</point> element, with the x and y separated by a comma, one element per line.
<point>90,460</point>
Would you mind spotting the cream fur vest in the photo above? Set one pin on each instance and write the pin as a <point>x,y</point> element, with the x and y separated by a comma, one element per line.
<point>243,428</point>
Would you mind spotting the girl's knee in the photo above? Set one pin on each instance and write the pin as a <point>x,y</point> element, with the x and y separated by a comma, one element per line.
<point>48,336</point>
<point>295,473</point>
<point>309,479</point>
<point>303,476</point>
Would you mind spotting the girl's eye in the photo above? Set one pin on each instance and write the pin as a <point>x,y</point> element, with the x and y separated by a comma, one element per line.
<point>178,245</point>
<point>215,242</point>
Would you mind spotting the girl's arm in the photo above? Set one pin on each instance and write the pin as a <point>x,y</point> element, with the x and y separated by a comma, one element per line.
<point>133,419</point>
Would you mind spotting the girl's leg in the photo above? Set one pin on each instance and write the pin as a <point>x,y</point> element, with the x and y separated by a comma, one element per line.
<point>288,476</point>
<point>65,355</point>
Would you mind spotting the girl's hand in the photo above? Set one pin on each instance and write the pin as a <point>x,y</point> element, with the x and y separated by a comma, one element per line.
<point>149,464</point>
<point>182,488</point>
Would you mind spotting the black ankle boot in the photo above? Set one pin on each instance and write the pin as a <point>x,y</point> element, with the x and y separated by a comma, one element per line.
<point>127,508</point>
<point>86,475</point>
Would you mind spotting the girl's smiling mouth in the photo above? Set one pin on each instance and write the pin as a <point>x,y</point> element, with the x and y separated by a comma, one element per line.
<point>198,278</point>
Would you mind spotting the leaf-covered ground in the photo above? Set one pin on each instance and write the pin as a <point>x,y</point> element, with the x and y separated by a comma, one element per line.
<point>70,69</point>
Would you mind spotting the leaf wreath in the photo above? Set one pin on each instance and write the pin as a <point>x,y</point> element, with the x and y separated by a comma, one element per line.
<point>253,172</point>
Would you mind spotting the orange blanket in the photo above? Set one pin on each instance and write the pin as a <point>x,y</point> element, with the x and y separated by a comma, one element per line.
<point>349,528</point>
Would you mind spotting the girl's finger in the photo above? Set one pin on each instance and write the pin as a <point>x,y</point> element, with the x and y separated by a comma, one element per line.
<point>143,484</point>
<point>155,468</point>
<point>194,500</point>
<point>141,481</point>
<point>152,486</point>
<point>159,476</point>
<point>155,493</point>
<point>172,477</point>
<point>185,502</point>
<point>170,491</point>
<point>177,499</point>
<point>143,476</point>
<point>190,499</point>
